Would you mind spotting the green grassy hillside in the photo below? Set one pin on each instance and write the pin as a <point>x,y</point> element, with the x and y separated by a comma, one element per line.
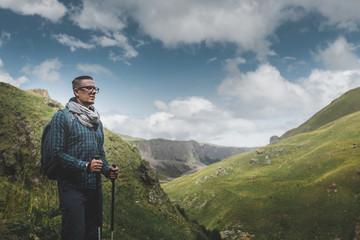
<point>29,202</point>
<point>303,187</point>
<point>346,104</point>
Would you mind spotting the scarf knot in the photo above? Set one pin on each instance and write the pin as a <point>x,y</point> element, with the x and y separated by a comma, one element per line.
<point>88,117</point>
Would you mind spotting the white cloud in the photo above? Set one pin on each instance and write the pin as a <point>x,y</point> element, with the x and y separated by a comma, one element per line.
<point>231,65</point>
<point>115,120</point>
<point>7,78</point>
<point>213,59</point>
<point>46,71</point>
<point>106,17</point>
<point>141,43</point>
<point>72,42</point>
<point>276,104</point>
<point>325,85</point>
<point>107,40</point>
<point>116,40</point>
<point>342,14</point>
<point>5,36</point>
<point>50,9</point>
<point>250,24</point>
<point>339,55</point>
<point>99,15</point>
<point>94,68</point>
<point>17,82</point>
<point>246,23</point>
<point>160,105</point>
<point>183,119</point>
<point>192,107</point>
<point>263,92</point>
<point>110,40</point>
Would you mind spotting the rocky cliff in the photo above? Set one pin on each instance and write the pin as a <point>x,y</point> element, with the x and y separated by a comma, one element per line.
<point>172,159</point>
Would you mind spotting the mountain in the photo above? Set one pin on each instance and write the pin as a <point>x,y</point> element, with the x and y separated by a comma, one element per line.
<point>29,206</point>
<point>346,104</point>
<point>306,186</point>
<point>171,159</point>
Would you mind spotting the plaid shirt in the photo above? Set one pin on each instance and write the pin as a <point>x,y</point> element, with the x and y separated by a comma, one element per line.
<point>75,150</point>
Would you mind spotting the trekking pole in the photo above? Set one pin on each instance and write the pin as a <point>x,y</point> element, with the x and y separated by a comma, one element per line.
<point>98,200</point>
<point>112,205</point>
<point>99,204</point>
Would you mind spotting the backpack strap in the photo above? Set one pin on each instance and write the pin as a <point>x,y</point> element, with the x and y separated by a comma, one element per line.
<point>69,118</point>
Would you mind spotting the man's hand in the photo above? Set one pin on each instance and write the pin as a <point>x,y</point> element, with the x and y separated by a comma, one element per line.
<point>96,165</point>
<point>113,172</point>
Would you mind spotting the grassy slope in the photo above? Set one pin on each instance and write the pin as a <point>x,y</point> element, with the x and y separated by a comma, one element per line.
<point>29,202</point>
<point>346,104</point>
<point>308,191</point>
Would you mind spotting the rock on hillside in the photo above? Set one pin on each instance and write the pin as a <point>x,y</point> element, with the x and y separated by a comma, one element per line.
<point>172,159</point>
<point>41,92</point>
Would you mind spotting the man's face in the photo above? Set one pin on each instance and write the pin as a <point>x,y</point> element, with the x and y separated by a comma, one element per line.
<point>85,96</point>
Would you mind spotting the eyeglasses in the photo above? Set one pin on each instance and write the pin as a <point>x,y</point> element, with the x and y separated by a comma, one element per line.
<point>90,88</point>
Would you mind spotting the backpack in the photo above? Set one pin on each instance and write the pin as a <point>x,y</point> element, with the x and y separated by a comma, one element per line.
<point>49,166</point>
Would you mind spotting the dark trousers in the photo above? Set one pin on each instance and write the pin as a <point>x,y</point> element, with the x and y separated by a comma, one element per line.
<point>80,213</point>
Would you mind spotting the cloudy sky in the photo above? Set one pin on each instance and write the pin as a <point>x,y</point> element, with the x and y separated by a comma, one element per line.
<point>226,72</point>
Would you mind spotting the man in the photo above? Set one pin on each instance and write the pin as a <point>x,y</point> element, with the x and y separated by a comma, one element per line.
<point>79,193</point>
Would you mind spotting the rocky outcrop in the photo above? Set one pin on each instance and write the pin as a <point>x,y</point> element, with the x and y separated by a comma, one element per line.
<point>46,97</point>
<point>274,139</point>
<point>41,92</point>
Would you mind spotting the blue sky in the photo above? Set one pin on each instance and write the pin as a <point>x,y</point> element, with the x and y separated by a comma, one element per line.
<point>225,72</point>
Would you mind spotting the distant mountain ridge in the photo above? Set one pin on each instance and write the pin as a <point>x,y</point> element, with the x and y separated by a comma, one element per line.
<point>173,159</point>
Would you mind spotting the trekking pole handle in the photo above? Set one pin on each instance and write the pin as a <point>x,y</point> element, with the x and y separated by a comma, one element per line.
<point>114,165</point>
<point>97,157</point>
